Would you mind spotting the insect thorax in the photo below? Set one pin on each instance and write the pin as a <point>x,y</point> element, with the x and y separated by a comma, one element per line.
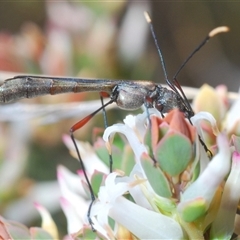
<point>129,96</point>
<point>166,100</point>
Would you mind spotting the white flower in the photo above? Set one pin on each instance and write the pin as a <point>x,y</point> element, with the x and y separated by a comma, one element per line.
<point>190,197</point>
<point>143,223</point>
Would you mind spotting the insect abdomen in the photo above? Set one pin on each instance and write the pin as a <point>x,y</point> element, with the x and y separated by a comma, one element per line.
<point>14,89</point>
<point>32,86</point>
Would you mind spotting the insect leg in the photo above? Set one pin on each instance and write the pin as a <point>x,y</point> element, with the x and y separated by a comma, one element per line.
<point>146,104</point>
<point>87,180</point>
<point>75,127</point>
<point>106,125</point>
<point>209,153</point>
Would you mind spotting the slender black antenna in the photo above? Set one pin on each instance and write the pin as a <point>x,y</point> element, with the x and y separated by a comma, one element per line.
<point>170,83</point>
<point>211,34</point>
<point>149,21</point>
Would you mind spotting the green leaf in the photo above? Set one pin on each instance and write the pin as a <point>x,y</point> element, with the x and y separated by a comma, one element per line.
<point>194,210</point>
<point>128,160</point>
<point>119,141</point>
<point>96,181</point>
<point>102,153</point>
<point>39,234</point>
<point>174,152</point>
<point>153,136</point>
<point>87,233</point>
<point>117,151</point>
<point>156,177</point>
<point>163,129</point>
<point>17,230</point>
<point>148,142</point>
<point>196,172</point>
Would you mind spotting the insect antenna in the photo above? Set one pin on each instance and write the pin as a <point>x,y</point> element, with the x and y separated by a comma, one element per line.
<point>149,21</point>
<point>174,84</point>
<point>211,34</point>
<point>75,127</point>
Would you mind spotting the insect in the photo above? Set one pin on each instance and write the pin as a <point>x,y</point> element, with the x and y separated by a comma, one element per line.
<point>128,95</point>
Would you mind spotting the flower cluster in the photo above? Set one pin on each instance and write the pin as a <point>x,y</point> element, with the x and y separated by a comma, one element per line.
<point>173,189</point>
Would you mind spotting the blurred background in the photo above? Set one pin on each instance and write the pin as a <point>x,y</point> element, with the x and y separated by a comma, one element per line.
<point>95,40</point>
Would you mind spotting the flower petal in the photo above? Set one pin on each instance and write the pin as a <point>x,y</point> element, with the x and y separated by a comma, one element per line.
<point>197,118</point>
<point>47,222</point>
<point>215,105</point>
<point>70,180</point>
<point>91,160</point>
<point>137,146</point>
<point>72,200</point>
<point>233,117</point>
<point>143,223</point>
<point>207,183</point>
<point>223,225</point>
<point>136,192</point>
<point>74,222</point>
